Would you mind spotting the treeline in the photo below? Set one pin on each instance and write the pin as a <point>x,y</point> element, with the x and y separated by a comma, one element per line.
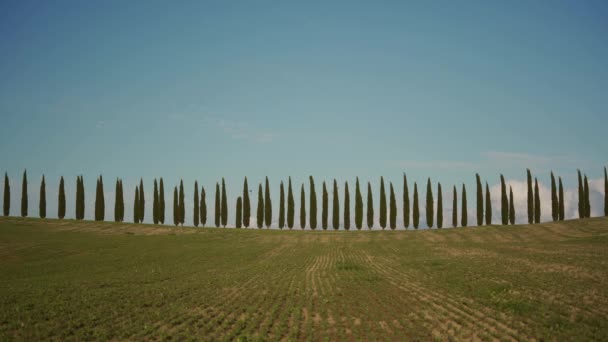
<point>287,203</point>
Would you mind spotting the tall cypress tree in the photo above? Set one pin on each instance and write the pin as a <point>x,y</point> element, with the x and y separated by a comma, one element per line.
<point>488,206</point>
<point>195,210</point>
<point>464,215</point>
<point>370,207</point>
<point>392,209</point>
<point>561,200</point>
<point>99,201</point>
<point>581,196</point>
<point>239,212</point>
<point>282,207</point>
<point>61,200</point>
<point>439,207</point>
<point>203,207</point>
<point>260,216</point>
<point>161,202</point>
<point>117,201</point>
<point>406,203</point>
<point>455,209</point>
<point>290,206</point>
<point>511,206</point>
<point>358,206</point>
<point>24,195</point>
<point>536,202</point>
<point>313,205</point>
<point>429,204</point>
<point>136,206</point>
<point>7,196</point>
<point>302,208</point>
<point>182,206</point>
<point>77,202</point>
<point>324,207</point>
<point>246,204</point>
<point>218,206</point>
<point>175,207</point>
<point>415,210</point>
<point>336,212</point>
<point>346,207</point>
<point>225,205</point>
<point>42,201</point>
<point>530,198</point>
<point>605,192</point>
<point>382,204</point>
<point>587,202</point>
<point>267,205</point>
<point>479,200</point>
<point>82,198</point>
<point>142,201</point>
<point>155,203</point>
<point>504,202</point>
<point>96,213</point>
<point>554,200</point>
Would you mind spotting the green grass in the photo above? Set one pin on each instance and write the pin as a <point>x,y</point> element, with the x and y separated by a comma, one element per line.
<point>68,280</point>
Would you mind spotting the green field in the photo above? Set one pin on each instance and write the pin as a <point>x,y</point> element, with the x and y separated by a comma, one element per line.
<point>85,280</point>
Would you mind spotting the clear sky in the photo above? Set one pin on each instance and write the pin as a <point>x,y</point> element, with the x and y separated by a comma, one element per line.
<point>201,90</point>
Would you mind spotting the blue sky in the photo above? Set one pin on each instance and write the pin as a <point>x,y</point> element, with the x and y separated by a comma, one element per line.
<point>203,90</point>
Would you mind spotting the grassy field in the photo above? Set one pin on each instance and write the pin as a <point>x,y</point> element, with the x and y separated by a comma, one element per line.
<point>84,280</point>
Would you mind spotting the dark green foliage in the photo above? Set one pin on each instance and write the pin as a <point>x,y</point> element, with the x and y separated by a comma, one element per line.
<point>358,206</point>
<point>561,200</point>
<point>429,211</point>
<point>61,200</point>
<point>203,207</point>
<point>100,207</point>
<point>488,206</point>
<point>24,195</point>
<point>136,206</point>
<point>370,207</point>
<point>536,202</point>
<point>530,198</point>
<point>142,201</point>
<point>554,200</point>
<point>504,202</point>
<point>382,204</point>
<point>587,202</point>
<point>439,207</point>
<point>415,210</point>
<point>336,212</point>
<point>605,192</point>
<point>464,215</point>
<point>175,207</point>
<point>195,209</point>
<point>246,204</point>
<point>155,203</point>
<point>511,206</point>
<point>324,207</point>
<point>392,216</point>
<point>239,212</point>
<point>346,207</point>
<point>313,205</point>
<point>267,205</point>
<point>182,207</point>
<point>117,200</point>
<point>302,208</point>
<point>281,207</point>
<point>260,216</point>
<point>581,196</point>
<point>7,196</point>
<point>479,200</point>
<point>218,206</point>
<point>290,206</point>
<point>455,209</point>
<point>42,200</point>
<point>406,203</point>
<point>79,198</point>
<point>161,202</point>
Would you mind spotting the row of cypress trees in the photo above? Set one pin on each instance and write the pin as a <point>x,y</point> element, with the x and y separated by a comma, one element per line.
<point>286,217</point>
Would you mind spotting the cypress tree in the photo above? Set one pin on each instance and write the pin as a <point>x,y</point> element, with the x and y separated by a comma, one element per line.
<point>195,210</point>
<point>536,202</point>
<point>182,207</point>
<point>117,201</point>
<point>406,204</point>
<point>7,196</point>
<point>42,202</point>
<point>290,206</point>
<point>392,209</point>
<point>225,206</point>
<point>382,204</point>
<point>281,207</point>
<point>142,201</point>
<point>581,196</point>
<point>464,215</point>
<point>82,202</point>
<point>605,192</point>
<point>203,207</point>
<point>439,207</point>
<point>346,207</point>
<point>504,202</point>
<point>302,209</point>
<point>161,202</point>
<point>61,200</point>
<point>587,202</point>
<point>239,212</point>
<point>511,206</point>
<point>561,200</point>
<point>155,203</point>
<point>218,207</point>
<point>267,205</point>
<point>415,210</point>
<point>175,207</point>
<point>530,198</point>
<point>358,206</point>
<point>324,208</point>
<point>313,205</point>
<point>102,200</point>
<point>429,211</point>
<point>336,212</point>
<point>24,195</point>
<point>77,202</point>
<point>554,200</point>
<point>370,207</point>
<point>122,202</point>
<point>246,204</point>
<point>479,201</point>
<point>136,206</point>
<point>455,209</point>
<point>488,206</point>
<point>96,213</point>
<point>260,208</point>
